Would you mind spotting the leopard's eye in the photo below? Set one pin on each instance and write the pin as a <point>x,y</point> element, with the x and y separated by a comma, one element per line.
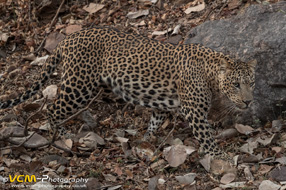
<point>236,85</point>
<point>252,84</point>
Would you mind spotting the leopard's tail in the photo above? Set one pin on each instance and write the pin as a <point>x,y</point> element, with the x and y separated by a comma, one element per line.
<point>47,70</point>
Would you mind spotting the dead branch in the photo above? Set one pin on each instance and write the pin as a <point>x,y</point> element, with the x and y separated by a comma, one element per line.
<point>56,16</point>
<point>51,25</point>
<point>164,141</point>
<point>28,138</point>
<point>70,151</point>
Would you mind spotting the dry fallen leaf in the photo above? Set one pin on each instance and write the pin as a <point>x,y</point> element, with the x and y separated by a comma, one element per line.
<point>226,134</point>
<point>233,4</point>
<point>129,174</point>
<point>244,129</point>
<point>249,147</point>
<point>118,170</point>
<point>50,92</point>
<point>197,8</point>
<point>121,139</point>
<point>159,33</point>
<point>281,160</point>
<point>161,181</point>
<point>234,185</point>
<point>131,132</point>
<point>177,154</point>
<point>35,141</point>
<point>248,174</point>
<point>109,177</point>
<point>73,28</point>
<point>69,143</point>
<point>91,139</point>
<point>268,185</point>
<point>114,187</point>
<point>62,144</point>
<point>137,14</point>
<point>145,150</point>
<point>277,125</point>
<point>4,37</point>
<point>266,140</point>
<point>277,149</point>
<point>26,157</point>
<point>176,30</point>
<point>39,60</point>
<point>263,169</point>
<point>158,164</point>
<point>29,57</point>
<point>187,178</point>
<point>52,41</point>
<point>228,178</point>
<point>206,162</point>
<point>93,8</point>
<point>141,23</point>
<point>219,167</point>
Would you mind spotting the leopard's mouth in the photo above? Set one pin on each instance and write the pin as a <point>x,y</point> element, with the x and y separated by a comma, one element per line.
<point>244,105</point>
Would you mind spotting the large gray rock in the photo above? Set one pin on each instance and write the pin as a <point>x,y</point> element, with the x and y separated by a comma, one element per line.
<point>258,33</point>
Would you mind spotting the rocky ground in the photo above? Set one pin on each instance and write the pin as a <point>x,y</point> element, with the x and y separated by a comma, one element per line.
<point>113,155</point>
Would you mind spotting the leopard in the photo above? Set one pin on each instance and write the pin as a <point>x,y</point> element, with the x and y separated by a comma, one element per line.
<point>164,77</point>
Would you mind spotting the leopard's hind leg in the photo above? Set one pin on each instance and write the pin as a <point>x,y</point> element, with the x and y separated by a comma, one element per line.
<point>74,95</point>
<point>157,119</point>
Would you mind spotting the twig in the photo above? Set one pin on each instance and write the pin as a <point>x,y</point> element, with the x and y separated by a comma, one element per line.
<point>26,139</point>
<point>51,25</point>
<point>41,45</point>
<point>29,118</point>
<point>57,13</point>
<point>75,115</point>
<point>70,151</point>
<point>224,5</point>
<point>164,141</point>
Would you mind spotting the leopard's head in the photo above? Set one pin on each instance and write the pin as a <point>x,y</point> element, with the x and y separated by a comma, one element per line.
<point>236,81</point>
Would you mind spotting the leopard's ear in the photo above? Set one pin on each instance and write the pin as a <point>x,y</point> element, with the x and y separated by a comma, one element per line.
<point>224,65</point>
<point>252,63</point>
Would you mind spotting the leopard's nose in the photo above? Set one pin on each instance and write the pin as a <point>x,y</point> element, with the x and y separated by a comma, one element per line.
<point>247,102</point>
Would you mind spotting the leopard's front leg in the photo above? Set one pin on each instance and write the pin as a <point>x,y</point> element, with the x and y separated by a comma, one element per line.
<point>195,103</point>
<point>201,129</point>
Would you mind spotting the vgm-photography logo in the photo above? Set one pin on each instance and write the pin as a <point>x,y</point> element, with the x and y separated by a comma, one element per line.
<point>33,178</point>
